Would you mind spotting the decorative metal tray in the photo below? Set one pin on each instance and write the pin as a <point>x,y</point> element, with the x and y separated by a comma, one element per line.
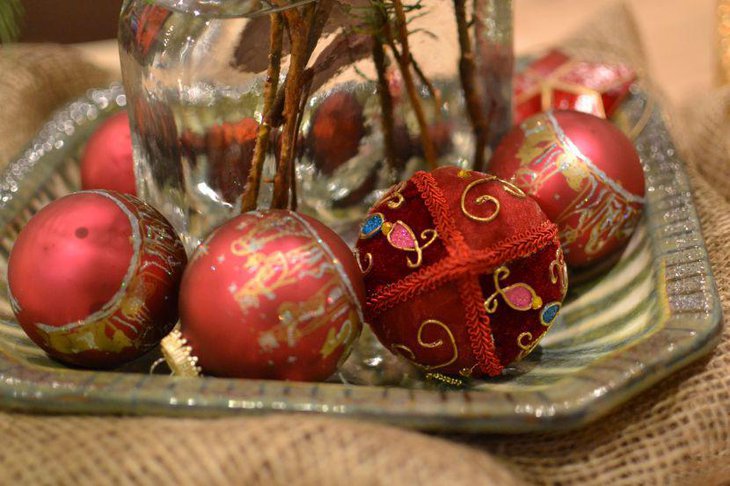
<point>655,311</point>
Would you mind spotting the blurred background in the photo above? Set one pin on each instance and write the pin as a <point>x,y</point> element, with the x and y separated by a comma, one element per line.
<point>679,35</point>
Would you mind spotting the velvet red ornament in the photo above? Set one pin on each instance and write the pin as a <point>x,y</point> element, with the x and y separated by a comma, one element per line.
<point>271,294</point>
<point>94,277</point>
<point>557,81</point>
<point>585,174</point>
<point>107,161</point>
<point>464,272</point>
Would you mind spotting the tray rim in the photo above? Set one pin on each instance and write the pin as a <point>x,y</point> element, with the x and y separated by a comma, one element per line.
<point>689,333</point>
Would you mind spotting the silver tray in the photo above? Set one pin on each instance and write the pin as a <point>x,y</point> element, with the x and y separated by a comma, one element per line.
<point>652,313</point>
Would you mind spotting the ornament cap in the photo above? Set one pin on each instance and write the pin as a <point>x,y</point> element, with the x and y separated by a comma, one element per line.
<point>179,355</point>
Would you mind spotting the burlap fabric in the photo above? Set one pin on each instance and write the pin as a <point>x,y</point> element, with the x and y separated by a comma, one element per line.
<point>676,433</point>
<point>34,80</point>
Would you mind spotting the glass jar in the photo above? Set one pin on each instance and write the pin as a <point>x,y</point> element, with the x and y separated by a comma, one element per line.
<point>380,99</point>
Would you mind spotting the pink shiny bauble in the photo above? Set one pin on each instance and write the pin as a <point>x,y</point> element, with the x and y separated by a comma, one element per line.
<point>94,277</point>
<point>273,295</point>
<point>585,174</point>
<point>107,161</point>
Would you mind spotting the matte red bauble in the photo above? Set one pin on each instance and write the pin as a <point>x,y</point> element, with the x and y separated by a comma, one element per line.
<point>94,277</point>
<point>585,174</point>
<point>107,161</point>
<point>228,149</point>
<point>337,128</point>
<point>271,294</point>
<point>464,272</point>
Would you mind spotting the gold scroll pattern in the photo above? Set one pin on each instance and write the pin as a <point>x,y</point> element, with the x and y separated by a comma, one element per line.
<point>393,198</point>
<point>559,271</point>
<point>408,353</point>
<point>486,198</point>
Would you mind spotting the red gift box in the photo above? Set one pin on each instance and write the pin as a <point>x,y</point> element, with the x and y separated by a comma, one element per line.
<point>560,82</point>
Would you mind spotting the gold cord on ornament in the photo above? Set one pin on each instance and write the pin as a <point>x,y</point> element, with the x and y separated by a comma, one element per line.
<point>508,187</point>
<point>402,348</point>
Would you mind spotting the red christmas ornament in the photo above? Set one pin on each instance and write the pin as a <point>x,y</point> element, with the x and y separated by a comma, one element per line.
<point>94,276</point>
<point>559,82</point>
<point>107,161</point>
<point>271,294</point>
<point>585,174</point>
<point>463,271</point>
<point>337,127</point>
<point>229,149</point>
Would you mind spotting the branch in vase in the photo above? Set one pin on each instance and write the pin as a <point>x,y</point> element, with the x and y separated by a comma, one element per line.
<point>403,59</point>
<point>253,186</point>
<point>467,72</point>
<point>298,29</point>
<point>305,29</point>
<point>306,91</point>
<point>386,102</point>
<point>435,93</point>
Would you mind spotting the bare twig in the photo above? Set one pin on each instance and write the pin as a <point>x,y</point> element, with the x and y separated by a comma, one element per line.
<point>435,93</point>
<point>306,90</point>
<point>467,72</point>
<point>253,186</point>
<point>404,62</point>
<point>317,17</point>
<point>386,99</point>
<point>298,28</point>
<point>305,29</point>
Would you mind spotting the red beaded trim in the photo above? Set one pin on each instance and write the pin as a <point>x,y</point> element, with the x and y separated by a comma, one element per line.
<point>437,205</point>
<point>477,323</point>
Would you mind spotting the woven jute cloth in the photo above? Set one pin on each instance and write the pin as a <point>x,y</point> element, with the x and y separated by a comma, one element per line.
<point>34,80</point>
<point>676,433</point>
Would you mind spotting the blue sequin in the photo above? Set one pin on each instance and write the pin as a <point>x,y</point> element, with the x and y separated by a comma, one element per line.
<point>371,225</point>
<point>550,312</point>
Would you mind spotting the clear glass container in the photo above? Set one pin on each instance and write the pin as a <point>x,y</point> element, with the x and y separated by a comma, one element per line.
<point>373,110</point>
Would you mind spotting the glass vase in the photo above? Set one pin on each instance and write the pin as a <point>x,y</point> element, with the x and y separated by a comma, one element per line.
<point>380,98</point>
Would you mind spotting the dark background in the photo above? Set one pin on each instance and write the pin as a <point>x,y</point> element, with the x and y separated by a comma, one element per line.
<point>69,21</point>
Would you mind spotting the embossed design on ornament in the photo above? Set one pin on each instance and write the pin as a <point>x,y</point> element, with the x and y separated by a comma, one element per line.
<point>519,296</point>
<point>526,343</point>
<point>266,231</point>
<point>399,235</point>
<point>525,340</point>
<point>407,353</point>
<point>372,225</point>
<point>279,269</point>
<point>368,262</point>
<point>600,206</point>
<point>402,237</point>
<point>467,372</point>
<point>549,313</point>
<point>393,198</point>
<point>559,271</point>
<point>344,337</point>
<point>486,198</point>
<point>300,319</point>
